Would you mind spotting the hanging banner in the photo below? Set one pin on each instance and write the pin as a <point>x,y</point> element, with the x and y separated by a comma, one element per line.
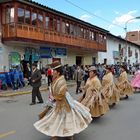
<point>116,54</point>
<point>62,52</point>
<point>14,58</point>
<point>45,52</point>
<point>35,57</point>
<point>27,56</point>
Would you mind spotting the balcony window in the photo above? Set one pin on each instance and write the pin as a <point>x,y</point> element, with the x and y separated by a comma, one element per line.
<point>54,24</point>
<point>67,28</point>
<point>100,38</point>
<point>75,30</point>
<point>40,20</point>
<point>87,34</point>
<point>58,25</point>
<point>34,19</point>
<point>20,15</point>
<point>51,23</point>
<point>9,15</point>
<point>71,29</point>
<point>78,31</point>
<point>82,32</point>
<point>27,17</point>
<point>47,22</point>
<point>63,27</point>
<point>92,35</point>
<point>95,36</point>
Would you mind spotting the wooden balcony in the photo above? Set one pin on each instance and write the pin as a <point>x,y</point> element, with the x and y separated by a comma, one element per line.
<point>13,30</point>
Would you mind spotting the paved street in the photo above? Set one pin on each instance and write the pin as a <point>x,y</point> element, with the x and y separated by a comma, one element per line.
<point>17,118</point>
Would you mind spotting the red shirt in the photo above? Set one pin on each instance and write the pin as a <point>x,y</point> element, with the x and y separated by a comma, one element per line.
<point>49,72</point>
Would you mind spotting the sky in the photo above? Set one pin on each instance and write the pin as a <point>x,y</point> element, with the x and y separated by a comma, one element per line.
<point>112,15</point>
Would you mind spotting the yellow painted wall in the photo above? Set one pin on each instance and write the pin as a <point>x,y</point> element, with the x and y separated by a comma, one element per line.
<point>87,60</point>
<point>71,57</point>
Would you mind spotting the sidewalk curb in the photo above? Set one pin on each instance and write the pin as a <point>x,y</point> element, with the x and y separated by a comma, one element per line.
<point>27,92</point>
<point>19,93</point>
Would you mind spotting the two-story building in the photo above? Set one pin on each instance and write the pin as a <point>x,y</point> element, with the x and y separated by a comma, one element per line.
<point>31,32</point>
<point>119,50</point>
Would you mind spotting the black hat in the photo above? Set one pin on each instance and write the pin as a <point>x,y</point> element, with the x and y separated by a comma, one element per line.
<point>34,64</point>
<point>108,67</point>
<point>124,67</point>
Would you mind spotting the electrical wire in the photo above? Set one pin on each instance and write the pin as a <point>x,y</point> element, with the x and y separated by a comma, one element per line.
<point>92,14</point>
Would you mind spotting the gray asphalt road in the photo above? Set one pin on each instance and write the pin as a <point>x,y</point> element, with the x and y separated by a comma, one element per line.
<point>120,123</point>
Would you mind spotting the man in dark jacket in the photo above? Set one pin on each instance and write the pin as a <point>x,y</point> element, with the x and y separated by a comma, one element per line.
<point>36,83</point>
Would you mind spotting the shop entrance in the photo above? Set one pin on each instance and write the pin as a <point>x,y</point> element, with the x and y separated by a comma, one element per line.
<point>79,60</point>
<point>105,61</point>
<point>93,60</point>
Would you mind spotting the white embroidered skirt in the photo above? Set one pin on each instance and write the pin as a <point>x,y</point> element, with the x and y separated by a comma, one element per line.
<point>64,124</point>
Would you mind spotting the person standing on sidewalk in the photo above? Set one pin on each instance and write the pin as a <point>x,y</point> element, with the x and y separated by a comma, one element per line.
<point>36,83</point>
<point>78,78</point>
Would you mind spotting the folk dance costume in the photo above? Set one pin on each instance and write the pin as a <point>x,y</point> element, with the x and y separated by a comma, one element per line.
<point>67,117</point>
<point>136,80</point>
<point>109,89</point>
<point>107,86</point>
<point>115,98</point>
<point>93,98</point>
<point>123,84</point>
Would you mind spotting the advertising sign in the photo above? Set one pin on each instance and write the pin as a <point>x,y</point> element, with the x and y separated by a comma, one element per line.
<point>116,54</point>
<point>45,52</point>
<point>61,52</point>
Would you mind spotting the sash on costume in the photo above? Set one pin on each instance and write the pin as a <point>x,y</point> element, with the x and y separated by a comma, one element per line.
<point>73,104</point>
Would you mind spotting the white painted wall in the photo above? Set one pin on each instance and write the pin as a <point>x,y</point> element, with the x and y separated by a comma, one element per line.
<point>113,45</point>
<point>133,59</point>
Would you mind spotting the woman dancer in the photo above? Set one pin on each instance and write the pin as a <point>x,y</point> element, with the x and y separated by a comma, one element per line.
<point>123,84</point>
<point>67,117</point>
<point>109,90</point>
<point>136,80</point>
<point>92,97</point>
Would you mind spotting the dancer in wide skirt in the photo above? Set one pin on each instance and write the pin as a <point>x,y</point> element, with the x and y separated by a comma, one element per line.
<point>136,80</point>
<point>123,84</point>
<point>67,117</point>
<point>109,89</point>
<point>92,97</point>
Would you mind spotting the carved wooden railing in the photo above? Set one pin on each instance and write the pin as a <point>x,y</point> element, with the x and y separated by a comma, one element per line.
<point>35,33</point>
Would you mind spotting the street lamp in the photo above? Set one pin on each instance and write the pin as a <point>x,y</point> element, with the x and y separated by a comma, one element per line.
<point>125,28</point>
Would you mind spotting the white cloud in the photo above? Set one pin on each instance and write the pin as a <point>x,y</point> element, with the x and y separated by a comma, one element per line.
<point>116,12</point>
<point>86,17</point>
<point>110,27</point>
<point>122,19</point>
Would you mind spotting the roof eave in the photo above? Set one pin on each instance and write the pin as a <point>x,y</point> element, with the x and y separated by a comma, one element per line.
<point>45,8</point>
